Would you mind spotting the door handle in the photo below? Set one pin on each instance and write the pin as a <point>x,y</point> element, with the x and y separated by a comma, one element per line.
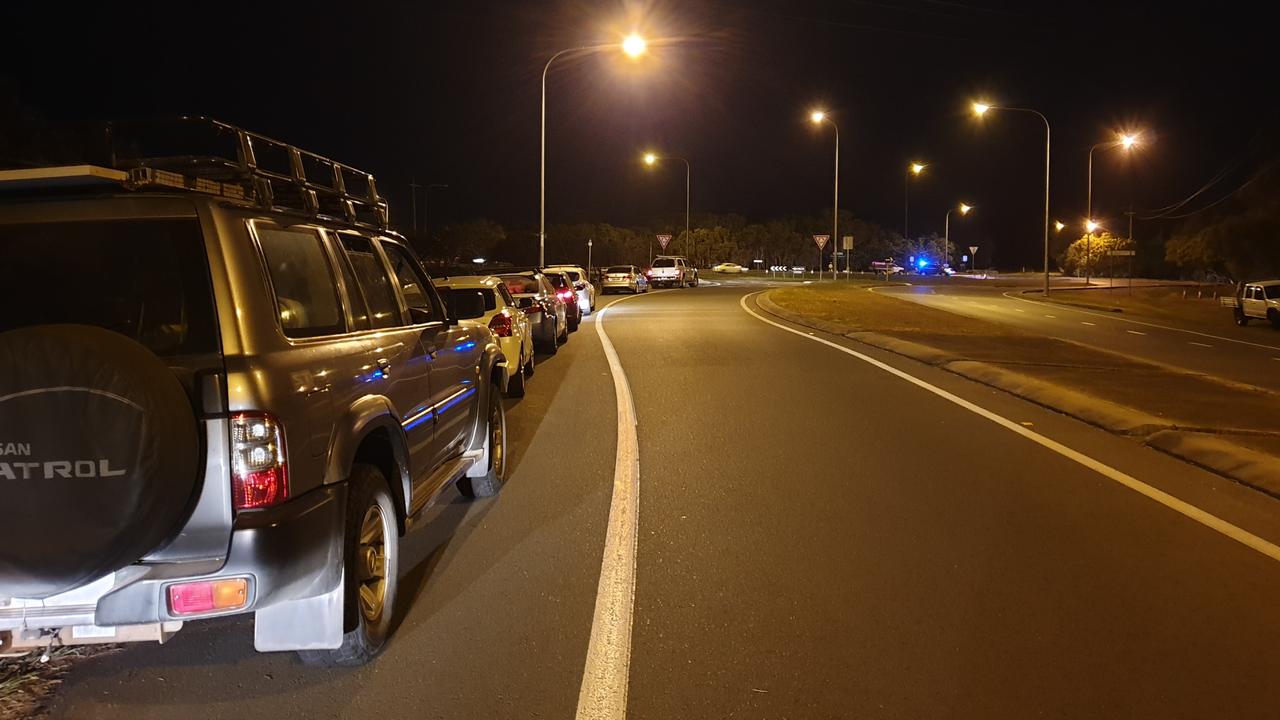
<point>384,366</point>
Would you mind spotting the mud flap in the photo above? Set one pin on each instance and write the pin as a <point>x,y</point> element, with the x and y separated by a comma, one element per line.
<point>313,623</point>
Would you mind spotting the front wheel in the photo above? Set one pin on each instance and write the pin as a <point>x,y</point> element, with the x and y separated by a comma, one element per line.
<point>495,448</point>
<point>371,553</point>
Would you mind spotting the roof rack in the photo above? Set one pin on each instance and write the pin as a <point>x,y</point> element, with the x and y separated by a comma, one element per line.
<point>204,155</point>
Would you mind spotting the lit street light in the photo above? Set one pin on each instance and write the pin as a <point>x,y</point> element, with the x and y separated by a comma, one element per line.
<point>632,46</point>
<point>1091,226</point>
<point>1058,225</point>
<point>980,109</point>
<point>913,170</point>
<point>946,231</point>
<point>652,159</point>
<point>817,117</point>
<point>1126,141</point>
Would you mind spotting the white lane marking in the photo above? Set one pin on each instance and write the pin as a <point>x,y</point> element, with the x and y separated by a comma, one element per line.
<point>603,694</point>
<point>1135,332</point>
<point>1019,310</point>
<point>1209,520</point>
<point>1191,342</point>
<point>1055,317</point>
<point>1112,316</point>
<point>1082,322</point>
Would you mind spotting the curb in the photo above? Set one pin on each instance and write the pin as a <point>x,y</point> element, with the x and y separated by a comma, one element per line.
<point>1246,466</point>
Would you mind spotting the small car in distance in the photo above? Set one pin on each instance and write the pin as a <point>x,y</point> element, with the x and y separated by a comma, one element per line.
<point>536,297</point>
<point>624,277</point>
<point>728,267</point>
<point>565,291</point>
<point>581,284</point>
<point>485,300</point>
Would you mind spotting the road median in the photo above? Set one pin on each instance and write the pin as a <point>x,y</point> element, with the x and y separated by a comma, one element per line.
<point>1227,428</point>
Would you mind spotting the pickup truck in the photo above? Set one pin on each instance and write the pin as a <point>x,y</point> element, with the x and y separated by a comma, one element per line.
<point>672,271</point>
<point>1256,300</point>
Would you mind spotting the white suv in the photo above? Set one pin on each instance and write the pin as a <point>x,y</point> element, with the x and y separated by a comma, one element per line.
<point>672,271</point>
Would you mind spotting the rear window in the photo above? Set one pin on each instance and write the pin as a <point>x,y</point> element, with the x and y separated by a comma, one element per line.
<point>573,275</point>
<point>619,270</point>
<point>520,284</point>
<point>664,262</point>
<point>558,280</point>
<point>145,279</point>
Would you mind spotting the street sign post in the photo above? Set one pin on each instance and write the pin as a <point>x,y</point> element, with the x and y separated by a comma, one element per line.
<point>821,242</point>
<point>663,240</point>
<point>1122,253</point>
<point>847,242</point>
<point>973,257</point>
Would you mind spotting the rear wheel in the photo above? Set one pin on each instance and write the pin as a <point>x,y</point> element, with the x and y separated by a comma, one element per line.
<point>528,365</point>
<point>563,337</point>
<point>371,553</point>
<point>575,321</point>
<point>496,447</point>
<point>515,383</point>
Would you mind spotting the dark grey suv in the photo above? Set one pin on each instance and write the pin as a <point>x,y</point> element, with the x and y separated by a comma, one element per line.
<point>224,388</point>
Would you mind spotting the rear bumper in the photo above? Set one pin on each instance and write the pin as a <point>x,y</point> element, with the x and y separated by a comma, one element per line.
<point>289,552</point>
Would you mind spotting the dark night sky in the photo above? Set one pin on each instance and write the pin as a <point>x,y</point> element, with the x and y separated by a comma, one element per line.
<point>448,92</point>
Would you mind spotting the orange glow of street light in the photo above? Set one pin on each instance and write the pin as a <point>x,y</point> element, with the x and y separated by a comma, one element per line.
<point>1090,225</point>
<point>817,116</point>
<point>980,108</point>
<point>1059,225</point>
<point>964,208</point>
<point>917,168</point>
<point>1128,141</point>
<point>634,45</point>
<point>650,158</point>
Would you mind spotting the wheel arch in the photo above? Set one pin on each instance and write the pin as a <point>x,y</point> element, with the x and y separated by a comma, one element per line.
<point>371,434</point>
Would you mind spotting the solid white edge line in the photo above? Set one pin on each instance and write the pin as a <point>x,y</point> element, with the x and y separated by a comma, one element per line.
<point>605,674</point>
<point>1209,520</point>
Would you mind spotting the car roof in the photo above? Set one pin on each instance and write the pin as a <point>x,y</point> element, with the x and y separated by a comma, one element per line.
<point>1266,283</point>
<point>472,281</point>
<point>575,268</point>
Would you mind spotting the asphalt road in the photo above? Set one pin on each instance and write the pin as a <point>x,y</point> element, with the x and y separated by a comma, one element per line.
<point>817,538</point>
<point>1249,355</point>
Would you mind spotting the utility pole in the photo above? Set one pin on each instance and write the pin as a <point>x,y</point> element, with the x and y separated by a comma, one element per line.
<point>413,190</point>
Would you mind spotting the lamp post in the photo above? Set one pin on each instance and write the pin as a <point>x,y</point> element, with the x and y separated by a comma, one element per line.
<point>652,159</point>
<point>913,170</point>
<point>946,231</point>
<point>633,46</point>
<point>1127,142</point>
<point>980,109</point>
<point>817,117</point>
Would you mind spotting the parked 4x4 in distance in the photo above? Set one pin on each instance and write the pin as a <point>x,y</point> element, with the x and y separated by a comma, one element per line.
<point>225,387</point>
<point>672,271</point>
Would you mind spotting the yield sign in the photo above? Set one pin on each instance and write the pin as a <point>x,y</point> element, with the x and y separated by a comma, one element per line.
<point>973,249</point>
<point>663,240</point>
<point>821,240</point>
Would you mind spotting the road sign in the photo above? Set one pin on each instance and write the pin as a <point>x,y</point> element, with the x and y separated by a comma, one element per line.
<point>663,240</point>
<point>1122,253</point>
<point>821,240</point>
<point>973,249</point>
<point>848,242</point>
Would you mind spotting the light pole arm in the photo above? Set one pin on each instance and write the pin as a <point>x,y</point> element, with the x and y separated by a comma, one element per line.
<point>1045,120</point>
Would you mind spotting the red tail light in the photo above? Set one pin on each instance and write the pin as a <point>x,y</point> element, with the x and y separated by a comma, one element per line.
<point>565,294</point>
<point>533,309</point>
<point>259,470</point>
<point>501,325</point>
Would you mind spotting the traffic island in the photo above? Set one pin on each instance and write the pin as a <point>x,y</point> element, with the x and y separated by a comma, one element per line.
<point>1223,426</point>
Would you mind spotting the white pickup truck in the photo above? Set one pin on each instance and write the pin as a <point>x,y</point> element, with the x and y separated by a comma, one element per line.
<point>1256,300</point>
<point>672,271</point>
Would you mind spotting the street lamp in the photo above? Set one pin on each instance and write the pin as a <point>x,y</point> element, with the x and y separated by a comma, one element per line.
<point>817,117</point>
<point>632,46</point>
<point>652,159</point>
<point>946,230</point>
<point>1126,141</point>
<point>913,170</point>
<point>1058,225</point>
<point>981,108</point>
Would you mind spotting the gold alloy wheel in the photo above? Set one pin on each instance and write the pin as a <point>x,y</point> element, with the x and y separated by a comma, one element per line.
<point>497,435</point>
<point>371,564</point>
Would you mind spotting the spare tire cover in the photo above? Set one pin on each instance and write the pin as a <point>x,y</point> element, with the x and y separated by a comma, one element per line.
<point>98,456</point>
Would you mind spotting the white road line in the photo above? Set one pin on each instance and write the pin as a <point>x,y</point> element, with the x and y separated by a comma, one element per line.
<point>1190,342</point>
<point>1055,317</point>
<point>1082,322</point>
<point>1135,332</point>
<point>1019,310</point>
<point>1209,520</point>
<point>1112,316</point>
<point>603,694</point>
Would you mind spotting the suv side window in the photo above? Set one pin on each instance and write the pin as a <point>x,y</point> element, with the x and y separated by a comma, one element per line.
<point>510,301</point>
<point>413,285</point>
<point>371,275</point>
<point>302,280</point>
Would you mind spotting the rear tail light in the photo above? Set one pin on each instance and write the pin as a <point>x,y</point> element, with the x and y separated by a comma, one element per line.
<point>565,294</point>
<point>259,471</point>
<point>501,325</point>
<point>208,596</point>
<point>533,309</point>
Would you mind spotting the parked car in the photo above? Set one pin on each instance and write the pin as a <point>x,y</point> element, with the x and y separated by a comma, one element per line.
<point>582,285</point>
<point>486,300</point>
<point>625,277</point>
<point>535,295</point>
<point>564,290</point>
<point>672,271</point>
<point>1256,301</point>
<point>886,266</point>
<point>264,397</point>
<point>728,267</point>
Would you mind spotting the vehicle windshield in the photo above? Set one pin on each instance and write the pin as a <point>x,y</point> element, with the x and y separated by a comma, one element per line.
<point>147,279</point>
<point>664,262</point>
<point>520,284</point>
